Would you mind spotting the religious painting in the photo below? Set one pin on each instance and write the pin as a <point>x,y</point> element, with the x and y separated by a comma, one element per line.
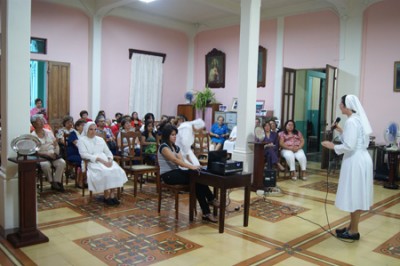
<point>215,69</point>
<point>261,69</point>
<point>396,82</point>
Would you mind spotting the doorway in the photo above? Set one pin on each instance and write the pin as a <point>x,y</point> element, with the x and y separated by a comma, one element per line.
<point>50,81</point>
<point>309,99</point>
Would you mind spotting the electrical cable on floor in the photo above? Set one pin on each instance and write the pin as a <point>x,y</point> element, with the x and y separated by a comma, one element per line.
<point>294,212</point>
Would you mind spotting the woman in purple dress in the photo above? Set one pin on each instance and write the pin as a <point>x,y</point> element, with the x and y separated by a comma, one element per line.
<point>271,148</point>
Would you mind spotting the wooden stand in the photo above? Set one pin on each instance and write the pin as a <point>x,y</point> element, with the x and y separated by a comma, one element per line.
<point>258,171</point>
<point>28,233</point>
<point>393,159</point>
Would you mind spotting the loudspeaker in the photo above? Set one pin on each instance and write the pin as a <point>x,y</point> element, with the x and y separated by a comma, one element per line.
<point>269,178</point>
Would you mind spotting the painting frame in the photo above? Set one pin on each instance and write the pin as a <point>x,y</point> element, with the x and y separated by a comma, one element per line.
<point>215,69</point>
<point>261,66</point>
<point>396,77</point>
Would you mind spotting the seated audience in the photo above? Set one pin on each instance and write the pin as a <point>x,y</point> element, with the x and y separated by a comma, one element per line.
<point>38,109</point>
<point>101,129</point>
<point>274,127</point>
<point>117,115</point>
<point>68,128</point>
<point>116,127</point>
<point>84,115</point>
<point>123,143</point>
<point>291,141</point>
<point>170,159</point>
<point>149,142</point>
<point>103,174</point>
<point>149,117</point>
<point>258,122</point>
<point>135,121</point>
<point>229,144</point>
<point>179,119</point>
<point>45,126</point>
<point>271,148</point>
<point>49,150</point>
<point>73,155</point>
<point>219,131</point>
<point>101,113</point>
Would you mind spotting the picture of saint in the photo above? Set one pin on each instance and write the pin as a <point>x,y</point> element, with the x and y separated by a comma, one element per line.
<point>213,75</point>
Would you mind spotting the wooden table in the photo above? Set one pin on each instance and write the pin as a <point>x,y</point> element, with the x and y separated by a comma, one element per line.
<point>28,233</point>
<point>220,183</point>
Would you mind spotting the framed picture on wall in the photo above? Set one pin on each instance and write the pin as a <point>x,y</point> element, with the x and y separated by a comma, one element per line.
<point>396,82</point>
<point>262,64</point>
<point>215,69</point>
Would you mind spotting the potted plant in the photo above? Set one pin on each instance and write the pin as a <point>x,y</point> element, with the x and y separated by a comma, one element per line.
<point>203,98</point>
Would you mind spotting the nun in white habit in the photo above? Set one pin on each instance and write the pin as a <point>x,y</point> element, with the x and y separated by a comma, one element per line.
<point>229,145</point>
<point>355,189</point>
<point>185,139</point>
<point>103,173</point>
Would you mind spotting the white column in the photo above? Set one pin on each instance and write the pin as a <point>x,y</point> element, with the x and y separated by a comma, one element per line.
<point>248,61</point>
<point>95,66</point>
<point>350,51</point>
<point>279,68</point>
<point>189,81</point>
<point>15,121</point>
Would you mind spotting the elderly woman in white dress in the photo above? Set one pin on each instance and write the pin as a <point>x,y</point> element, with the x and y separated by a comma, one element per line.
<point>229,145</point>
<point>355,189</point>
<point>103,174</point>
<point>185,140</point>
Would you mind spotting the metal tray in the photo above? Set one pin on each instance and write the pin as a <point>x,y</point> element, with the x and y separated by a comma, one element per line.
<point>26,144</point>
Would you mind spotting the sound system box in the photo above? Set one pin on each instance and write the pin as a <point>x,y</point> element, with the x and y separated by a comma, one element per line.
<point>269,178</point>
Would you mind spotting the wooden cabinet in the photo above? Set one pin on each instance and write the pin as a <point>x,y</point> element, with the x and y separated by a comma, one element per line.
<point>187,110</point>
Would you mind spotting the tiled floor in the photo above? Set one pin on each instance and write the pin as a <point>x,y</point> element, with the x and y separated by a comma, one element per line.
<point>284,229</point>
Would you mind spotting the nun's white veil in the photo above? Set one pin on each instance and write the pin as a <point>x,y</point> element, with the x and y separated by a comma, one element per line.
<point>353,103</point>
<point>86,128</point>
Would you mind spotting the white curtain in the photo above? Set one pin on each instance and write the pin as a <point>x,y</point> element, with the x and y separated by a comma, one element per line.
<point>146,85</point>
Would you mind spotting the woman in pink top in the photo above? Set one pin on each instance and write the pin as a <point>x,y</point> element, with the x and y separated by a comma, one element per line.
<point>291,141</point>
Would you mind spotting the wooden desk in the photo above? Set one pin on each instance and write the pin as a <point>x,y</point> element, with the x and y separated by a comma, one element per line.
<point>28,233</point>
<point>221,183</point>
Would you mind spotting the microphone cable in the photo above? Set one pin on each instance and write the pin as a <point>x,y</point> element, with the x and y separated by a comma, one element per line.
<point>329,231</point>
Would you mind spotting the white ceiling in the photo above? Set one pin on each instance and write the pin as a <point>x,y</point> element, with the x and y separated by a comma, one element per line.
<point>198,15</point>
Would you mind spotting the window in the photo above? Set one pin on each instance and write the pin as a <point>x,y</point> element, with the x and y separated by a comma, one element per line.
<point>38,45</point>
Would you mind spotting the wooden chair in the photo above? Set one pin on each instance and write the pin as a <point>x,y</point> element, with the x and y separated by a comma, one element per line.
<point>201,146</point>
<point>69,165</point>
<point>135,166</point>
<point>175,189</point>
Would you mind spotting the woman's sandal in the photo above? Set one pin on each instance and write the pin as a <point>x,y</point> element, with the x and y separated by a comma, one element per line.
<point>210,218</point>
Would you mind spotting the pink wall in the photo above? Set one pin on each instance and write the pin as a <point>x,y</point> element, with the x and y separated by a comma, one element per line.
<point>66,31</point>
<point>227,40</point>
<point>380,50</point>
<point>120,35</point>
<point>311,40</point>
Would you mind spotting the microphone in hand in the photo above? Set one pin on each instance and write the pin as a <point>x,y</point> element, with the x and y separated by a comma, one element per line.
<point>335,123</point>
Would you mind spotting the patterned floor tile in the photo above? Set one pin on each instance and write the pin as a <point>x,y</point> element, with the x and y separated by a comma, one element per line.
<point>390,247</point>
<point>321,186</point>
<point>273,211</point>
<point>136,249</point>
